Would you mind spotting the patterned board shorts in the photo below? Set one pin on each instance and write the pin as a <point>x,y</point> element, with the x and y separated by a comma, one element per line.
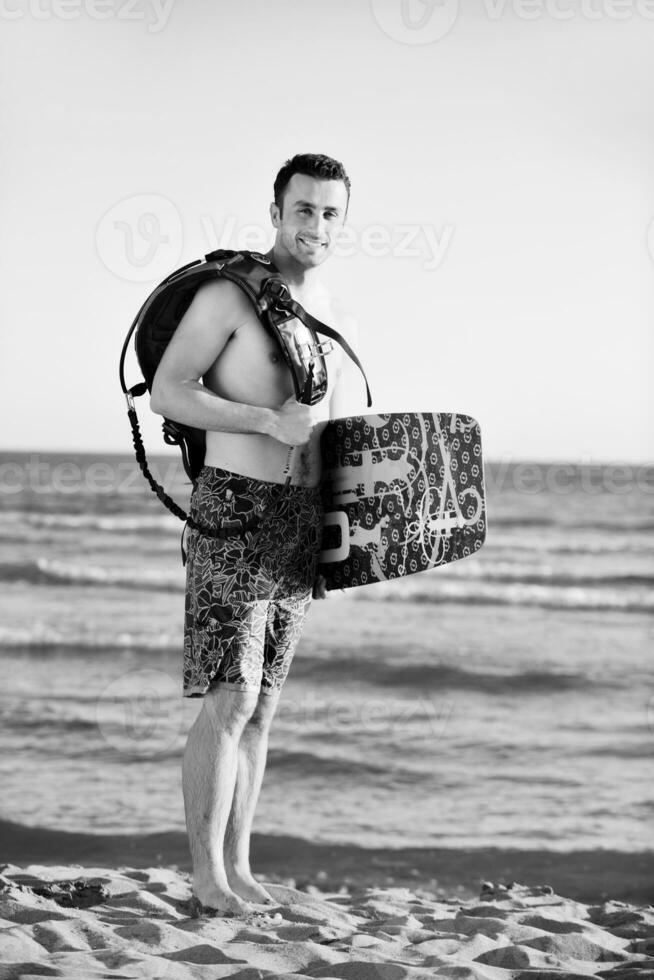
<point>247,595</point>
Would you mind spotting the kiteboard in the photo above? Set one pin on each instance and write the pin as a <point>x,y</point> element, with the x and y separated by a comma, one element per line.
<point>402,492</point>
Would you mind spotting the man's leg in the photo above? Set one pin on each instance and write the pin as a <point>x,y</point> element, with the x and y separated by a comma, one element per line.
<point>209,770</point>
<point>284,620</point>
<point>252,752</point>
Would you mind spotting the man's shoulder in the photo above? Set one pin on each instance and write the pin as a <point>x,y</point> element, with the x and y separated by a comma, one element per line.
<point>221,302</point>
<point>221,292</point>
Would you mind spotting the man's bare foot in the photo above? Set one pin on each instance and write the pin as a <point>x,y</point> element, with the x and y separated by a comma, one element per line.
<point>212,898</point>
<point>249,888</point>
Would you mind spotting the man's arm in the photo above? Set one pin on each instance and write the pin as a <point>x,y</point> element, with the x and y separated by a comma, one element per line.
<point>216,311</point>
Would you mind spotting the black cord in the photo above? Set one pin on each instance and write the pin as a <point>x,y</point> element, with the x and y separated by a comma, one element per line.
<point>167,501</point>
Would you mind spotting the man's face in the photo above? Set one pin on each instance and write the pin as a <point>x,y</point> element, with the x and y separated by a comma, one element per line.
<point>312,213</point>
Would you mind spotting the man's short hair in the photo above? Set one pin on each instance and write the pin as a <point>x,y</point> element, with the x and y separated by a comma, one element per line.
<point>311,165</point>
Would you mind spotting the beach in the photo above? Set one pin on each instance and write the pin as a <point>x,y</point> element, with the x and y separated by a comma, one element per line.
<point>486,724</point>
<point>133,923</point>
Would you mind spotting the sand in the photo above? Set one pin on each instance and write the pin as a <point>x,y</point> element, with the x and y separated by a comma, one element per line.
<point>142,922</point>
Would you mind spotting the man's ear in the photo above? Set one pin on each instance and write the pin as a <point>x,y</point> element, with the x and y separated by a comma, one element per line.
<point>275,215</point>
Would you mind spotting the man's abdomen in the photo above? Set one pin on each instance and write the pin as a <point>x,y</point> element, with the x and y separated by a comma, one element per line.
<point>264,458</point>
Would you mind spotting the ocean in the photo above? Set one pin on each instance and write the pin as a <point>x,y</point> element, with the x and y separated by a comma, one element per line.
<point>505,700</point>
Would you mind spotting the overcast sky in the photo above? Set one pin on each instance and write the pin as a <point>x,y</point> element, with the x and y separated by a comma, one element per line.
<point>500,256</point>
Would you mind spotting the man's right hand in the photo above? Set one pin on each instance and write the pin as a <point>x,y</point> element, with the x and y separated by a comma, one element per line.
<point>294,422</point>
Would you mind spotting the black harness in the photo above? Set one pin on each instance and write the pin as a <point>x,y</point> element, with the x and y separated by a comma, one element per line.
<point>295,330</point>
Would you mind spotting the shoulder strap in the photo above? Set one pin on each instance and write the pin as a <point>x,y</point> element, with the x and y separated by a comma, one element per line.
<point>265,285</point>
<point>321,327</point>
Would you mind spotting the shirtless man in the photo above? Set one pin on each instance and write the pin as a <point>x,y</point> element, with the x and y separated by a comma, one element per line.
<point>246,597</point>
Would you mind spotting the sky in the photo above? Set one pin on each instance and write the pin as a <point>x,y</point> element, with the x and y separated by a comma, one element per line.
<point>500,244</point>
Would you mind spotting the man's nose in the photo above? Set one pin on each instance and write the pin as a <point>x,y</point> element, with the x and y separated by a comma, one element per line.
<point>317,226</point>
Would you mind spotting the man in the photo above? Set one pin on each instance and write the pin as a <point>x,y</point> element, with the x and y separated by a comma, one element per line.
<point>247,596</point>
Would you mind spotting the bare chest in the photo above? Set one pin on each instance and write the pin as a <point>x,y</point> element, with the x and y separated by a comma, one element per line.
<point>251,368</point>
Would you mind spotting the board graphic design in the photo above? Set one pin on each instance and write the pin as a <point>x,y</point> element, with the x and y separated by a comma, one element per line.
<point>403,492</point>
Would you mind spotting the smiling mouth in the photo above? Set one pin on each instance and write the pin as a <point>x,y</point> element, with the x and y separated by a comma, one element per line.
<point>311,244</point>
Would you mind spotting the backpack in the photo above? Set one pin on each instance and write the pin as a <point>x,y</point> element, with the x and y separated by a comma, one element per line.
<point>294,329</point>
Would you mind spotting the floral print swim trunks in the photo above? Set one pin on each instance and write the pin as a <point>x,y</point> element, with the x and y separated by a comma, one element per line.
<point>247,594</point>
